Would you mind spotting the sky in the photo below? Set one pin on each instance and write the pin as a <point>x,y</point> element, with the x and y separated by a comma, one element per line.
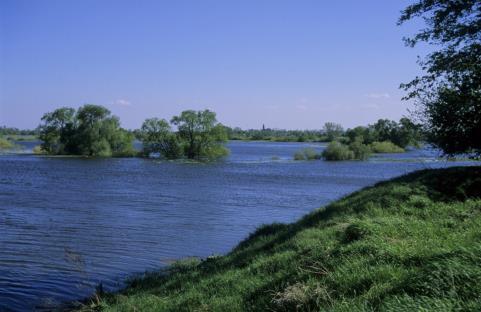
<point>286,64</point>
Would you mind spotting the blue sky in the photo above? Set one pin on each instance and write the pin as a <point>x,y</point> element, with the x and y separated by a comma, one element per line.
<point>285,64</point>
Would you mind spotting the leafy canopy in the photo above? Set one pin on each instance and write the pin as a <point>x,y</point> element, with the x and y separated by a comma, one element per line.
<point>449,93</point>
<point>199,136</point>
<point>90,131</point>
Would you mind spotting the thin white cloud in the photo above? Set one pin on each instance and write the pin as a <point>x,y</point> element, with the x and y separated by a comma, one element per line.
<point>122,102</point>
<point>378,95</point>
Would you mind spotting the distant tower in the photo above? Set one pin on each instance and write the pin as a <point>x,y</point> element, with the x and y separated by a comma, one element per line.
<point>263,127</point>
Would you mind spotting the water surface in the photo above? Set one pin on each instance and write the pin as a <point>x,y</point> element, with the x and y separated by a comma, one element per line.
<point>68,224</point>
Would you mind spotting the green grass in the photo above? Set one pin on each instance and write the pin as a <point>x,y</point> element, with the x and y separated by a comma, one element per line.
<point>408,244</point>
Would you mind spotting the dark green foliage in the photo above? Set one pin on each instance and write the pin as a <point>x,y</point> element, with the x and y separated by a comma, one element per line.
<point>402,134</point>
<point>356,231</point>
<point>199,136</point>
<point>449,94</point>
<point>90,131</point>
<point>57,131</point>
<point>409,244</point>
<point>157,137</point>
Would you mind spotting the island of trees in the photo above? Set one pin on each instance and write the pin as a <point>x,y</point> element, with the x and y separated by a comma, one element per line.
<point>93,131</point>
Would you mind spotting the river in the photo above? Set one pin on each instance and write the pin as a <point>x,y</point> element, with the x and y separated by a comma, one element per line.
<point>68,224</point>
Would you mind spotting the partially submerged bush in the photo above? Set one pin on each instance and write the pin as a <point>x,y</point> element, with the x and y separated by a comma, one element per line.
<point>386,147</point>
<point>307,154</point>
<point>337,151</point>
<point>361,151</point>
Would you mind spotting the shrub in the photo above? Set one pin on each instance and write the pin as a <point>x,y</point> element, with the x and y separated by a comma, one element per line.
<point>361,151</point>
<point>299,156</point>
<point>307,154</point>
<point>337,151</point>
<point>386,147</point>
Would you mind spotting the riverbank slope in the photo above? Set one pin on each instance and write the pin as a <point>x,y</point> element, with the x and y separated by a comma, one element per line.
<point>406,244</point>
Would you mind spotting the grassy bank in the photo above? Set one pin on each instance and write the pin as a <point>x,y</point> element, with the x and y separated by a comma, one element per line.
<point>411,243</point>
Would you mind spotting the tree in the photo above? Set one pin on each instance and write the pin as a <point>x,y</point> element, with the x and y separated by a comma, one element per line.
<point>157,137</point>
<point>55,130</point>
<point>449,94</point>
<point>91,131</point>
<point>332,130</point>
<point>384,129</point>
<point>407,133</point>
<point>95,128</point>
<point>201,135</point>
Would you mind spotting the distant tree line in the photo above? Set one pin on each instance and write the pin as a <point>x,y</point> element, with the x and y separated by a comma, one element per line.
<point>402,133</point>
<point>278,135</point>
<point>329,132</point>
<point>4,131</point>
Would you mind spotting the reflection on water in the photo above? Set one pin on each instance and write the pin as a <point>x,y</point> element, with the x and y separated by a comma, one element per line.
<point>69,224</point>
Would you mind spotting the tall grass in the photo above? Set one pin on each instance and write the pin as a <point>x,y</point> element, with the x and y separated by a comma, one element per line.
<point>409,244</point>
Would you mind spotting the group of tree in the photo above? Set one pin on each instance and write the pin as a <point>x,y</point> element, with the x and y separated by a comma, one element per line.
<point>89,131</point>
<point>402,134</point>
<point>93,131</point>
<point>384,136</point>
<point>199,136</point>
